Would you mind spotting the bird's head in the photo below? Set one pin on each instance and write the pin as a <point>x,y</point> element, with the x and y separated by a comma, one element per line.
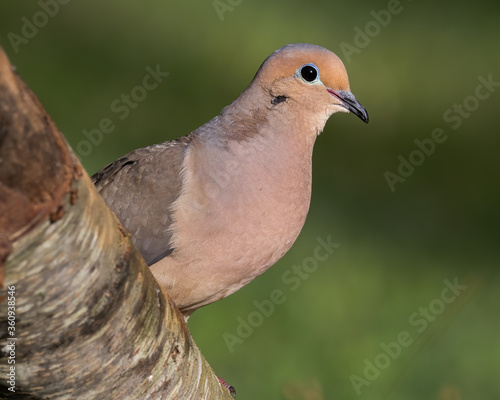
<point>310,78</point>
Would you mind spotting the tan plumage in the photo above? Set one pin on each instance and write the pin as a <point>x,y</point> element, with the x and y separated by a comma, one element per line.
<point>212,210</point>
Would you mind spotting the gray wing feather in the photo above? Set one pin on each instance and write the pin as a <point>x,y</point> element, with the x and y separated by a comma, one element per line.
<point>140,188</point>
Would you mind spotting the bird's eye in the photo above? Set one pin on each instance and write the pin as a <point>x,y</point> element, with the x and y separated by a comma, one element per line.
<point>309,73</point>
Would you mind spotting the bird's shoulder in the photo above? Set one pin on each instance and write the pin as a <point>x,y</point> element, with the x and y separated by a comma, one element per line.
<point>140,188</point>
<point>166,157</point>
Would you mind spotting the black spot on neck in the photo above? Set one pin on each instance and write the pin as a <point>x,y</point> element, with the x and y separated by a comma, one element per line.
<point>278,99</point>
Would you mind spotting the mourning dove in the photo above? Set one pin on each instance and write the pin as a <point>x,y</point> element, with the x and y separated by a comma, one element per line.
<point>214,209</point>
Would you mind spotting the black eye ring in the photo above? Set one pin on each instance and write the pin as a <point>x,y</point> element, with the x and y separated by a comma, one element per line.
<point>309,73</point>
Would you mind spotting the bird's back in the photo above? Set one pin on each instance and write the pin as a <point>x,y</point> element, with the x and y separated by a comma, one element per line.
<point>128,186</point>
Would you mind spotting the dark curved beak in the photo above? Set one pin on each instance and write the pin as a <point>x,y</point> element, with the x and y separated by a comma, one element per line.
<point>350,103</point>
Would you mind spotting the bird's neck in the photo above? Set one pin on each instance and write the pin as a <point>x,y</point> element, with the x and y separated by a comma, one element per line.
<point>257,152</point>
<point>253,117</point>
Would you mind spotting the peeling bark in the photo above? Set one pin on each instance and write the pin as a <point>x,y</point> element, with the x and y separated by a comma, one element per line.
<point>90,320</point>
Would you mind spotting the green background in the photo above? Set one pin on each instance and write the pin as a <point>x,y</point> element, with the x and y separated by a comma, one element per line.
<point>397,248</point>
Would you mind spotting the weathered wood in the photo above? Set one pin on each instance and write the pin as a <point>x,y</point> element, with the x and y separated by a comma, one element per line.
<point>90,320</point>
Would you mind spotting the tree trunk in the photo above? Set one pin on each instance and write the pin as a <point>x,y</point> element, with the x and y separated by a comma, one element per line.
<point>81,315</point>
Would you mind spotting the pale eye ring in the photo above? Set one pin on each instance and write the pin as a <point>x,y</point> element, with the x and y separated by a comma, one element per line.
<point>309,73</point>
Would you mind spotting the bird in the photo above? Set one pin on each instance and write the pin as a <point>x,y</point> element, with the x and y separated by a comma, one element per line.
<point>212,210</point>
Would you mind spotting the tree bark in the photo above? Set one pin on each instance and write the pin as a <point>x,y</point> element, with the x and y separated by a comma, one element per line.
<point>81,315</point>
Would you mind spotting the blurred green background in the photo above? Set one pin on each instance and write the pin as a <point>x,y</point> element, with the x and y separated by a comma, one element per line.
<point>397,248</point>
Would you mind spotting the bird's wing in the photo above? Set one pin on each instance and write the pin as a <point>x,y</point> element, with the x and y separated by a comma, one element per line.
<point>140,188</point>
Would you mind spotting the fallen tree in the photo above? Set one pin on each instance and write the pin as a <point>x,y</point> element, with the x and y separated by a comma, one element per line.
<point>81,315</point>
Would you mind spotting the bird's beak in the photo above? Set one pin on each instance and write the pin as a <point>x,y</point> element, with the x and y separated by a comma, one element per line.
<point>348,101</point>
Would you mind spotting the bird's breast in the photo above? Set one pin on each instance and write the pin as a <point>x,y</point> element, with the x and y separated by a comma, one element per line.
<point>239,212</point>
